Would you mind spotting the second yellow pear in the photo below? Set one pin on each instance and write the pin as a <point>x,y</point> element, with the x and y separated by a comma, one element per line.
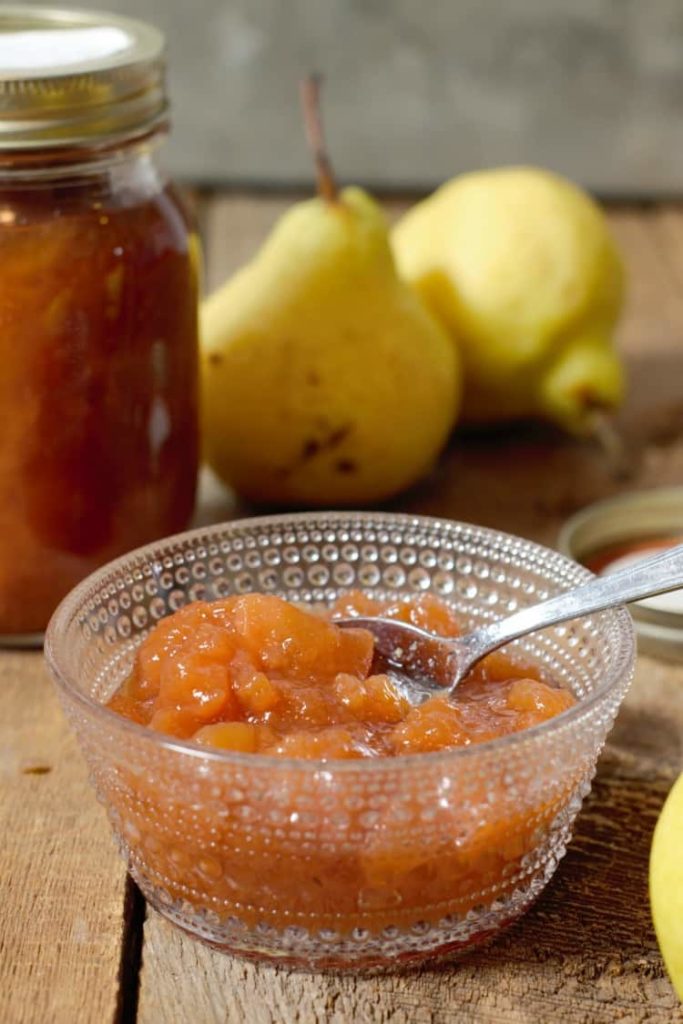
<point>520,267</point>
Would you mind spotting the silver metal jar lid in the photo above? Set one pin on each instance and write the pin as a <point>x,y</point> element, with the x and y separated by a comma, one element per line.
<point>633,519</point>
<point>73,77</point>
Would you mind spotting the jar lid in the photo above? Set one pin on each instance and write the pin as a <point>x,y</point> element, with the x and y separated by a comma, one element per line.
<point>70,77</point>
<point>617,532</point>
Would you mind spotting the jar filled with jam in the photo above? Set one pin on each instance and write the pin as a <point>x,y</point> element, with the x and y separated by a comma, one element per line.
<point>98,308</point>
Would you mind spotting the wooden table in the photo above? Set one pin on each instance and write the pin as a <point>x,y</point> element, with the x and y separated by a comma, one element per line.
<point>77,944</point>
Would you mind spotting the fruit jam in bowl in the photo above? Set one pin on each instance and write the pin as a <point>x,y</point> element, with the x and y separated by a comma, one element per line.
<point>273,792</point>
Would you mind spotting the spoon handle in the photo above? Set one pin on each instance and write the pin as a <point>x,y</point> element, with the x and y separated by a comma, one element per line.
<point>644,578</point>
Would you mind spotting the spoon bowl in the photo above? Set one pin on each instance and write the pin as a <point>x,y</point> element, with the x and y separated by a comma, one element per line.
<point>430,663</point>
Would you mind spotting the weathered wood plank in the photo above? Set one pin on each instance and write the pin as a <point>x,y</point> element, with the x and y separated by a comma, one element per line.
<point>61,882</point>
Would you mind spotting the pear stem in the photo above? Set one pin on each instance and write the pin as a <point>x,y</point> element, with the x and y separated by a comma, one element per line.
<point>310,102</point>
<point>610,442</point>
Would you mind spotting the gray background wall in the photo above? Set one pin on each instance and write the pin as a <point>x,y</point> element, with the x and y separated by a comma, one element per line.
<point>419,89</point>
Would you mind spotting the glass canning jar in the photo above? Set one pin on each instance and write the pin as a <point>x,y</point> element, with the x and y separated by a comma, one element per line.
<point>98,308</point>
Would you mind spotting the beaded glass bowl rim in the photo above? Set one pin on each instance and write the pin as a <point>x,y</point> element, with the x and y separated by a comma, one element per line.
<point>622,668</point>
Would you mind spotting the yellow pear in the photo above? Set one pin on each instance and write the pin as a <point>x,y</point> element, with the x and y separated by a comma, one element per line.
<point>325,380</point>
<point>666,884</point>
<point>519,265</point>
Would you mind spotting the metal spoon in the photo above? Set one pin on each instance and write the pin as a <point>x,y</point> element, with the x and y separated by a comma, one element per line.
<point>431,663</point>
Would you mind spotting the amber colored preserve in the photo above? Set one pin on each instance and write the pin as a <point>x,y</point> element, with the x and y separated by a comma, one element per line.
<point>98,442</point>
<point>257,675</point>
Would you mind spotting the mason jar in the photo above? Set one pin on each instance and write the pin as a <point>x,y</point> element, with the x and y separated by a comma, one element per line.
<point>98,308</point>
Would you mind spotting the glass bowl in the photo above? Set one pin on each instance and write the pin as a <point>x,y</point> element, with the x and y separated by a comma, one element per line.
<point>339,864</point>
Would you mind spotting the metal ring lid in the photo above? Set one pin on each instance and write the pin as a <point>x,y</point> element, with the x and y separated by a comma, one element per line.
<point>74,77</point>
<point>631,519</point>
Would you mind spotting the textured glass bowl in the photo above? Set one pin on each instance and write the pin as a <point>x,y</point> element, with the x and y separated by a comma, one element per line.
<point>353,864</point>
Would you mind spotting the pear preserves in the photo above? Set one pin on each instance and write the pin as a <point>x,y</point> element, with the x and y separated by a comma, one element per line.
<point>252,675</point>
<point>289,682</point>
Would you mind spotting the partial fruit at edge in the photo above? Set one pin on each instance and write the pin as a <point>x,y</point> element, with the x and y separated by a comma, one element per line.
<point>666,884</point>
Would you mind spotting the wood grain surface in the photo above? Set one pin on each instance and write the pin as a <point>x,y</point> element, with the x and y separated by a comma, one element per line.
<point>62,886</point>
<point>585,954</point>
